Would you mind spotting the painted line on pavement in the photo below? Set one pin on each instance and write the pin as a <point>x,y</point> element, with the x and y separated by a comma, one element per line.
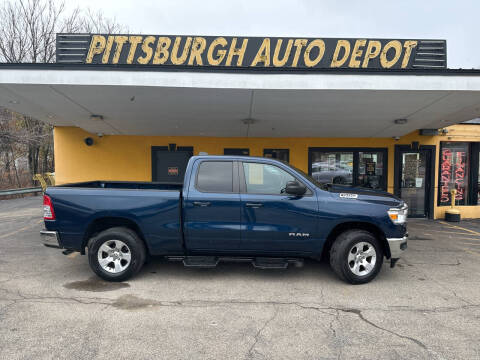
<point>472,252</point>
<point>459,227</point>
<point>470,239</point>
<point>452,232</point>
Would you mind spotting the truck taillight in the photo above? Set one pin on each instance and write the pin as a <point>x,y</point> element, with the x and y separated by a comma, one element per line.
<point>48,213</point>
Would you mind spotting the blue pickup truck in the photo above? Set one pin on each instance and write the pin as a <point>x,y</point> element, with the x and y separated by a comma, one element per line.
<point>229,208</point>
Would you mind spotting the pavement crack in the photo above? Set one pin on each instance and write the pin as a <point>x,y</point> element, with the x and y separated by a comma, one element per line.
<point>251,350</point>
<point>337,340</point>
<point>364,319</point>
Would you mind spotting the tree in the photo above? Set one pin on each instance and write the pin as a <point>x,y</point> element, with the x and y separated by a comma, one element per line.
<point>28,30</point>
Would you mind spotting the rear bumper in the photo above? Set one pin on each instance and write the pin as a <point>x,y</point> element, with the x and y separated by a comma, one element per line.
<point>50,239</point>
<point>397,246</point>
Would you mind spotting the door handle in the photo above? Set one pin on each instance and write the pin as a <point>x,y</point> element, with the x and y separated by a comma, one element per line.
<point>253,205</point>
<point>201,203</point>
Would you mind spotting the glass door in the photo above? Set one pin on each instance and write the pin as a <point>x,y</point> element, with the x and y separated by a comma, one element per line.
<point>414,186</point>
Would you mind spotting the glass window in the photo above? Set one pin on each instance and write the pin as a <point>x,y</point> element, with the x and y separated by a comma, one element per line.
<point>413,182</point>
<point>370,169</point>
<point>355,167</point>
<point>265,179</point>
<point>279,154</point>
<point>332,167</point>
<point>235,151</point>
<point>215,176</point>
<point>454,172</point>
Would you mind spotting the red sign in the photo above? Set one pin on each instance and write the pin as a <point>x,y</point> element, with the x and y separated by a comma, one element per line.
<point>452,175</point>
<point>460,175</point>
<point>173,171</point>
<point>445,176</point>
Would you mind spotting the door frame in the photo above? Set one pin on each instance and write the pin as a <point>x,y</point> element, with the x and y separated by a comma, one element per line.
<point>429,178</point>
<point>171,147</point>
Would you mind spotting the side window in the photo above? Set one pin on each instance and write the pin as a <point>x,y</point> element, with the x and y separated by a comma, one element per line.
<point>215,176</point>
<point>265,179</point>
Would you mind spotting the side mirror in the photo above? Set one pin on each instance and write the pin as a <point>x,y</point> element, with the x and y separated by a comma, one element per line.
<point>295,188</point>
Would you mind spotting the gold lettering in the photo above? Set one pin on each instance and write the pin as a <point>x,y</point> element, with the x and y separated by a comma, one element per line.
<point>134,41</point>
<point>397,46</point>
<point>97,45</point>
<point>373,49</point>
<point>299,44</point>
<point>321,51</point>
<point>174,55</point>
<point>147,50</point>
<point>220,41</point>
<point>276,61</point>
<point>263,54</point>
<point>108,49</point>
<point>234,51</point>
<point>198,47</point>
<point>409,45</point>
<point>356,53</point>
<point>341,44</point>
<point>161,52</point>
<point>119,40</point>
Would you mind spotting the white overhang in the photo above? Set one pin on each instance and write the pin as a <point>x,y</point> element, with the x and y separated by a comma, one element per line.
<point>216,104</point>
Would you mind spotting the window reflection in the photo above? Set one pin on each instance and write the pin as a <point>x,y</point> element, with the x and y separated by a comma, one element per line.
<point>370,169</point>
<point>332,167</point>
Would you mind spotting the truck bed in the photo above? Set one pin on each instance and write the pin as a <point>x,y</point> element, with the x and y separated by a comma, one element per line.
<point>155,207</point>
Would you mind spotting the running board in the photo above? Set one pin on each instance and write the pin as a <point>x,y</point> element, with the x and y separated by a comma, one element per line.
<point>257,262</point>
<point>200,261</point>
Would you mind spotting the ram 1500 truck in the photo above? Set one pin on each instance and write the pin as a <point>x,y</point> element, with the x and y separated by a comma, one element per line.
<point>229,208</point>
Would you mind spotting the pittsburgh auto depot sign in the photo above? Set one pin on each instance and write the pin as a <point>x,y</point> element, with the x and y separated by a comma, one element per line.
<point>250,52</point>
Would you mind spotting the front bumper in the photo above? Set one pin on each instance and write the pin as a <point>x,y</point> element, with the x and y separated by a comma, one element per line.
<point>50,239</point>
<point>397,246</point>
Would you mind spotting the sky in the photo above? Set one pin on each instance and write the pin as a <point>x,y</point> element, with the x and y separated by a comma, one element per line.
<point>456,21</point>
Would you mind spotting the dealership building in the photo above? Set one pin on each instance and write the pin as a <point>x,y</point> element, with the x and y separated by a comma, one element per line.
<point>382,114</point>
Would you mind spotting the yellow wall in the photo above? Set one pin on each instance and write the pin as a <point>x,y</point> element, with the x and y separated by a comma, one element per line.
<point>128,157</point>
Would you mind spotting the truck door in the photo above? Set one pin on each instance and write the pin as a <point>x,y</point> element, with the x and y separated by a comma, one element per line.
<point>272,221</point>
<point>212,207</point>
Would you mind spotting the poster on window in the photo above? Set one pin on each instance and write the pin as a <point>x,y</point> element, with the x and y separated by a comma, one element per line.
<point>370,167</point>
<point>453,173</point>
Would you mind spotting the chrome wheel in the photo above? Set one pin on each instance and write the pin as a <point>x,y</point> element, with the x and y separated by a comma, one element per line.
<point>114,256</point>
<point>362,258</point>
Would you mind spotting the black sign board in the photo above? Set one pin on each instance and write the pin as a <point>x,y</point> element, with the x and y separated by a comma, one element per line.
<point>251,52</point>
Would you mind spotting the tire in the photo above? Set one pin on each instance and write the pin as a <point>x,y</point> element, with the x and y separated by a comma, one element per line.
<point>339,180</point>
<point>356,256</point>
<point>121,245</point>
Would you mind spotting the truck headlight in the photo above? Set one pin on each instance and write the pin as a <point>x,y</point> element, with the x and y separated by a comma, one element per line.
<point>398,215</point>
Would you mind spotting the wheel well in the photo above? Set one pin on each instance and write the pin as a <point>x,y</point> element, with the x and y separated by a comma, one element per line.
<point>371,228</point>
<point>101,224</point>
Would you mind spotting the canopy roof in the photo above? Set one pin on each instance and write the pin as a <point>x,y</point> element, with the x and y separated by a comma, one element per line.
<point>320,104</point>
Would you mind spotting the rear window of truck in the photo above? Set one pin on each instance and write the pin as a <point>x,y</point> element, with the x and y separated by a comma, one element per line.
<point>215,176</point>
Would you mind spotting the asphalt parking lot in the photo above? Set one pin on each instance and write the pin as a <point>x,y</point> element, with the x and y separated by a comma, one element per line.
<point>53,307</point>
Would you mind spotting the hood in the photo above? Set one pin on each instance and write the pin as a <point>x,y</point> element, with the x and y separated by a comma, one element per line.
<point>367,195</point>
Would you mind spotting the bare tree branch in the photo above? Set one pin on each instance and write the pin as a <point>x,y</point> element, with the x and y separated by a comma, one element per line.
<point>29,29</point>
